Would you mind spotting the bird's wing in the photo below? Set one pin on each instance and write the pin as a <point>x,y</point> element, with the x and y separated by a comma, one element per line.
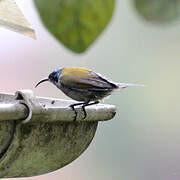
<point>82,78</point>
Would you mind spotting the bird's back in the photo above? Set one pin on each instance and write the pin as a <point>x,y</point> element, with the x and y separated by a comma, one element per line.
<point>79,77</point>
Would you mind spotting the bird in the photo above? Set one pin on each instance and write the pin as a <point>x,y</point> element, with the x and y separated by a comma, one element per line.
<point>83,85</point>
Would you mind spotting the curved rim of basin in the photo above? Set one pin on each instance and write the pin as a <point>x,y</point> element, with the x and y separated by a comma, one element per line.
<point>51,139</point>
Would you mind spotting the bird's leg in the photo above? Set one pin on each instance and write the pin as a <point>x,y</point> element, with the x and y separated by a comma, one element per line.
<point>87,104</point>
<point>72,106</point>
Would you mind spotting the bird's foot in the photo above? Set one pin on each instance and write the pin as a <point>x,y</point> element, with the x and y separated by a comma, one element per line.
<point>87,104</point>
<point>72,106</point>
<point>83,108</point>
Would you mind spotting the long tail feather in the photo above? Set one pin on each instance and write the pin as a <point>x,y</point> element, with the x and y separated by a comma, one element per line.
<point>124,85</point>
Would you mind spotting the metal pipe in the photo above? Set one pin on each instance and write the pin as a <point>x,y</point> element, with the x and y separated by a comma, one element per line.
<point>12,111</point>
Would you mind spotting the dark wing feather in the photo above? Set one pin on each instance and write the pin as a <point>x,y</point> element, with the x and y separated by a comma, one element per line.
<point>86,82</point>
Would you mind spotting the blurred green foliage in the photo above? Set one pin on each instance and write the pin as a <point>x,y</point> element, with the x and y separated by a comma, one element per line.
<point>159,11</point>
<point>75,23</point>
<point>78,23</point>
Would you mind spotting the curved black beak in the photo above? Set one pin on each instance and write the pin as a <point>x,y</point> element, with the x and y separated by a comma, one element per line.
<point>43,80</point>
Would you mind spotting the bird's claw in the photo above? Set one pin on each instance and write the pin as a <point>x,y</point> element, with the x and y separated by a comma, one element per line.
<point>72,107</point>
<point>84,111</point>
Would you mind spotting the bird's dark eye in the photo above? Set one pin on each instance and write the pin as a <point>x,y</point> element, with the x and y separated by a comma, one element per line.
<point>53,77</point>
